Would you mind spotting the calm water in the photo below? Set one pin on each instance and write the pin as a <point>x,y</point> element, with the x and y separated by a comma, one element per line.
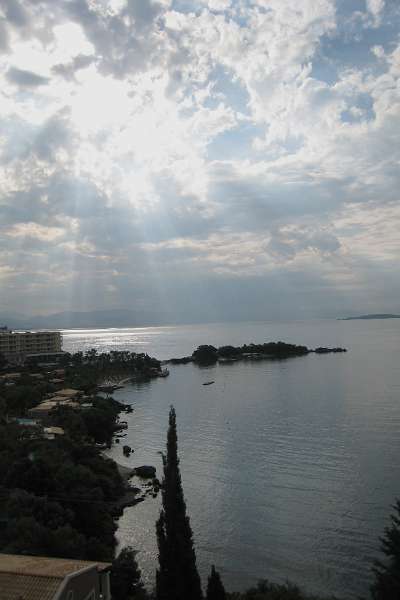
<point>289,467</point>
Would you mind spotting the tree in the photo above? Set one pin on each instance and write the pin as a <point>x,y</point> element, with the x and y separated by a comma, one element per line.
<point>177,577</point>
<point>205,355</point>
<point>265,590</point>
<point>215,587</point>
<point>3,361</point>
<point>387,575</point>
<point>125,580</point>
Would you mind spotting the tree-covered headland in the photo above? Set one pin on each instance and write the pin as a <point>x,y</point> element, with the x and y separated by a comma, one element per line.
<point>59,495</point>
<point>86,369</point>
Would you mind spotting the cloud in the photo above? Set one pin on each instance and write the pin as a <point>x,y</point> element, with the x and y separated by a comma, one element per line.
<point>24,140</point>
<point>14,12</point>
<point>376,7</point>
<point>68,70</point>
<point>149,151</point>
<point>290,241</point>
<point>35,231</point>
<point>126,41</point>
<point>25,78</point>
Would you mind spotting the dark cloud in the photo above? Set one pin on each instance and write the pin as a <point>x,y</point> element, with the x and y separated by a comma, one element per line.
<point>68,70</point>
<point>4,37</point>
<point>251,204</point>
<point>24,140</point>
<point>126,42</point>
<point>15,12</point>
<point>27,79</point>
<point>54,134</point>
<point>144,12</point>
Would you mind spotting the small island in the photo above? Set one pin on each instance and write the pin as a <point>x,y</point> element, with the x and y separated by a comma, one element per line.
<point>370,317</point>
<point>208,355</point>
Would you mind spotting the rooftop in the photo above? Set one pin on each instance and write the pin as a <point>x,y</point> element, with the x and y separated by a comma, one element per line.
<point>37,577</point>
<point>46,566</point>
<point>28,587</point>
<point>53,403</point>
<point>68,392</point>
<point>54,430</point>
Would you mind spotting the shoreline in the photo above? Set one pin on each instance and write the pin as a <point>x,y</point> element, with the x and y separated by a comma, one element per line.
<point>125,472</point>
<point>133,495</point>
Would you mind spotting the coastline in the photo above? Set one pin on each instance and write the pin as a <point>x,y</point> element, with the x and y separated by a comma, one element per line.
<point>133,495</point>
<point>125,472</point>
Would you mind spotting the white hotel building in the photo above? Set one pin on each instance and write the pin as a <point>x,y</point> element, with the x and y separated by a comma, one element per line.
<point>20,346</point>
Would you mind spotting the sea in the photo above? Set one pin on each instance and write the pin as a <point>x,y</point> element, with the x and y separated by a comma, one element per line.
<point>290,468</point>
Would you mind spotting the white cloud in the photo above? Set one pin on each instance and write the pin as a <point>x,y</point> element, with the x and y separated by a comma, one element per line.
<point>218,4</point>
<point>35,231</point>
<point>375,6</point>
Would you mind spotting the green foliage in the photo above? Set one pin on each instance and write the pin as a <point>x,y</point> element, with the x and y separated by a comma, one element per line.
<point>27,536</point>
<point>71,421</point>
<point>208,355</point>
<point>387,574</point>
<point>126,583</point>
<point>100,420</point>
<point>205,355</point>
<point>58,497</point>
<point>85,371</point>
<point>228,351</point>
<point>19,398</point>
<point>177,577</point>
<point>97,424</point>
<point>215,588</point>
<point>274,349</point>
<point>266,590</point>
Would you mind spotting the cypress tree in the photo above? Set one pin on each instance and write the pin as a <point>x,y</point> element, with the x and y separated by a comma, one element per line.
<point>177,577</point>
<point>387,575</point>
<point>215,587</point>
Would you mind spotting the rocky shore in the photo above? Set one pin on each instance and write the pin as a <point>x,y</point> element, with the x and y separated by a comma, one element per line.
<point>134,495</point>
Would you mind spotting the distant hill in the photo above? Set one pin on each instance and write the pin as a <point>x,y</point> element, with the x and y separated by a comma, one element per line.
<point>367,317</point>
<point>71,320</point>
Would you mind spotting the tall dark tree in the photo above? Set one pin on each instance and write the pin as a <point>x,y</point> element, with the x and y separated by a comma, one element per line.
<point>3,361</point>
<point>126,582</point>
<point>177,577</point>
<point>215,587</point>
<point>387,574</point>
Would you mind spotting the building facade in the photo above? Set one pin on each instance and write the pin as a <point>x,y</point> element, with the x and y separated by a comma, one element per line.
<point>17,346</point>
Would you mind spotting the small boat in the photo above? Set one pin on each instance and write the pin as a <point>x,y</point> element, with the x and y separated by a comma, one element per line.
<point>163,373</point>
<point>208,382</point>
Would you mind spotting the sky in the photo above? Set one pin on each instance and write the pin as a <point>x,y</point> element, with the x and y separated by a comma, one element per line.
<point>200,160</point>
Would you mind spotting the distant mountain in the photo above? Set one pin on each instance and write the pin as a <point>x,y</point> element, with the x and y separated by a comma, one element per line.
<point>366,317</point>
<point>71,320</point>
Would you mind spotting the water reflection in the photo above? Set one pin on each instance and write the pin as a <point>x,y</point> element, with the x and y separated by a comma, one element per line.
<point>289,467</point>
